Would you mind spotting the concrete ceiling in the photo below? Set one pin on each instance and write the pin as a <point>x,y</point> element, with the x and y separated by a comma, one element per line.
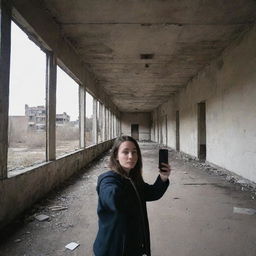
<point>182,35</point>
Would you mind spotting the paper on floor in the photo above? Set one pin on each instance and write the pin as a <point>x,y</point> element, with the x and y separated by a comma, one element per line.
<point>248,211</point>
<point>42,217</point>
<point>72,246</point>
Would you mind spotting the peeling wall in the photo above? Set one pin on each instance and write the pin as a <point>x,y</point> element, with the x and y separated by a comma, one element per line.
<point>19,191</point>
<point>142,119</point>
<point>228,88</point>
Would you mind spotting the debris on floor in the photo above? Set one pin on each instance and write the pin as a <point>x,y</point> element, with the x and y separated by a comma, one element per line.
<point>42,217</point>
<point>247,211</point>
<point>241,181</point>
<point>246,185</point>
<point>72,246</point>
<point>58,208</point>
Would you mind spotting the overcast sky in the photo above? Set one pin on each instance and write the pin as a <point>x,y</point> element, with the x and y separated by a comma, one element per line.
<point>27,79</point>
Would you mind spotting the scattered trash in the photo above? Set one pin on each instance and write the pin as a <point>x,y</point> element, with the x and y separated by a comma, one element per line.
<point>17,240</point>
<point>176,198</point>
<point>231,179</point>
<point>241,181</point>
<point>248,211</point>
<point>72,246</point>
<point>62,198</point>
<point>42,217</point>
<point>58,208</point>
<point>199,184</point>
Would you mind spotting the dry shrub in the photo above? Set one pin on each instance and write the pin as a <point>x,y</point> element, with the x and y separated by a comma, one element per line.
<point>16,137</point>
<point>67,133</point>
<point>36,139</point>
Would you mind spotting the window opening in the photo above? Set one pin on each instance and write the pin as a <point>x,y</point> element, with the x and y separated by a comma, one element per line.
<point>27,116</point>
<point>67,114</point>
<point>89,119</point>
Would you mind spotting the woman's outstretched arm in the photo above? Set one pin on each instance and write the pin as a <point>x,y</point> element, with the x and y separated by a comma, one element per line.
<point>156,190</point>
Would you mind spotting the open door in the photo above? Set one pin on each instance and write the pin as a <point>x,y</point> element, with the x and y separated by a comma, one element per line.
<point>135,131</point>
<point>201,132</point>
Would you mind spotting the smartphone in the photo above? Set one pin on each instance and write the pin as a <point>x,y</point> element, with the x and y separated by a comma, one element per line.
<point>163,157</point>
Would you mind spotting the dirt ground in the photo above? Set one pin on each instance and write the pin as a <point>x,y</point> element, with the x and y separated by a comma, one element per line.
<point>23,156</point>
<point>194,218</point>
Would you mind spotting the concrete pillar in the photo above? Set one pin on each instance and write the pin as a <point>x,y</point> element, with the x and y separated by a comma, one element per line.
<point>157,127</point>
<point>82,116</point>
<point>119,126</point>
<point>99,122</point>
<point>103,122</point>
<point>107,124</point>
<point>5,46</point>
<point>154,126</point>
<point>115,126</point>
<point>51,75</point>
<point>110,124</point>
<point>94,122</point>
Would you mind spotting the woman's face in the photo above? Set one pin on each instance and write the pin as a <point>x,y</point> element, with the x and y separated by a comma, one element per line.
<point>127,155</point>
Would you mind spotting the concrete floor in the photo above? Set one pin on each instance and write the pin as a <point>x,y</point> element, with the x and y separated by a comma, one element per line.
<point>195,216</point>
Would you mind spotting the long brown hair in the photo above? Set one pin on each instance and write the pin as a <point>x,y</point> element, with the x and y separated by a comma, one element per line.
<point>135,173</point>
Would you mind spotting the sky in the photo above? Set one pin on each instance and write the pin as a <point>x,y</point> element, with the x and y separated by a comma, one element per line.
<point>27,79</point>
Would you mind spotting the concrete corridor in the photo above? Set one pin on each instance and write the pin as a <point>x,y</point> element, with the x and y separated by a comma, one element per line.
<point>194,218</point>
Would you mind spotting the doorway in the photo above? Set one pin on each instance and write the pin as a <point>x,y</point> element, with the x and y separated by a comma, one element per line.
<point>177,130</point>
<point>201,131</point>
<point>135,131</point>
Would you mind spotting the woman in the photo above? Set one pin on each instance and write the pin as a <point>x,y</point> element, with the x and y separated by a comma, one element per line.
<point>123,220</point>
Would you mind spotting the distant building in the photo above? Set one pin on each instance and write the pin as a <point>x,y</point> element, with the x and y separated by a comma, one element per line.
<point>37,117</point>
<point>62,119</point>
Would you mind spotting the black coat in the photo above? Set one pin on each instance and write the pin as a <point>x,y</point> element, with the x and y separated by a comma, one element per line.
<point>122,212</point>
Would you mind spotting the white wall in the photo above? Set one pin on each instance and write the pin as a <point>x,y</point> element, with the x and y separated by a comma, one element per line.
<point>166,110</point>
<point>142,119</point>
<point>188,130</point>
<point>228,87</point>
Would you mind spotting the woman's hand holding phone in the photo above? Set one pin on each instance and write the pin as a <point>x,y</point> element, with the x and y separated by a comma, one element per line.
<point>163,164</point>
<point>165,171</point>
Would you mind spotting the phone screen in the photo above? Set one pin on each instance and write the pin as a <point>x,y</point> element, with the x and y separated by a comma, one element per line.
<point>163,157</point>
